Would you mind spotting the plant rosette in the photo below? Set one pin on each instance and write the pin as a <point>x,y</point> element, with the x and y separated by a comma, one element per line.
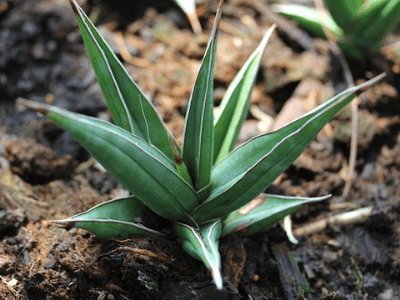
<point>208,188</point>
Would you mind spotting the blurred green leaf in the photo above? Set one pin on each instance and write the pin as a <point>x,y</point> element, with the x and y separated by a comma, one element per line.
<point>310,19</point>
<point>385,23</point>
<point>365,16</point>
<point>343,12</point>
<point>357,26</point>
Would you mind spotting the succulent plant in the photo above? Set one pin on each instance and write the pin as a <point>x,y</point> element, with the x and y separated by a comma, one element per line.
<point>205,186</point>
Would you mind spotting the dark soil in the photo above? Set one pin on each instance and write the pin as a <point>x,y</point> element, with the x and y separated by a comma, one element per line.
<point>46,175</point>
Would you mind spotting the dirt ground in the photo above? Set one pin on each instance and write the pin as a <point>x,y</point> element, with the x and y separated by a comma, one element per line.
<point>46,175</point>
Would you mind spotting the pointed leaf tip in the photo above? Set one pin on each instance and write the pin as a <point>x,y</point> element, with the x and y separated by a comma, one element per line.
<point>33,105</point>
<point>74,8</point>
<point>251,168</point>
<point>202,244</point>
<point>234,106</point>
<point>128,105</point>
<point>198,141</point>
<point>115,218</point>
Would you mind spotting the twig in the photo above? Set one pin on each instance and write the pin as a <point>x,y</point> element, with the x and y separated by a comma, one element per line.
<point>354,108</point>
<point>194,22</point>
<point>10,285</point>
<point>353,217</point>
<point>143,252</point>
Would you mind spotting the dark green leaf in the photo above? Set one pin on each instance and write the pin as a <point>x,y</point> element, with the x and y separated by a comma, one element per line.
<point>235,104</point>
<point>198,143</point>
<point>202,244</point>
<point>139,166</point>
<point>128,105</point>
<point>252,167</point>
<point>112,219</point>
<point>262,213</point>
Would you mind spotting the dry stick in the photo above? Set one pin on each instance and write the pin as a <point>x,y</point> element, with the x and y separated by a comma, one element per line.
<point>194,22</point>
<point>10,284</point>
<point>357,216</point>
<point>354,108</point>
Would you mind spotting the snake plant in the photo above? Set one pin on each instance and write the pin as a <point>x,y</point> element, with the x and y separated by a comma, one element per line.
<point>357,25</point>
<point>205,186</point>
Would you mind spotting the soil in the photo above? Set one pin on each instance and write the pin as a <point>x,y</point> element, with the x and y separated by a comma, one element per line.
<point>46,175</point>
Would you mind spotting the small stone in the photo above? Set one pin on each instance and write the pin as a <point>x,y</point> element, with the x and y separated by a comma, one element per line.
<point>386,295</point>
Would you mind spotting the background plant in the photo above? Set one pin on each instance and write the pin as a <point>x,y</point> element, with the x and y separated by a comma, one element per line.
<point>206,187</point>
<point>357,25</point>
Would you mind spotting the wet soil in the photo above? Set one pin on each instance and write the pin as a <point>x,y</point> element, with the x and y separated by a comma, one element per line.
<point>46,175</point>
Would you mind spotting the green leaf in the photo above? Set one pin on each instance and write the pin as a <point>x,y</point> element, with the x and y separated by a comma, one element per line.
<point>262,213</point>
<point>128,105</point>
<point>310,19</point>
<point>139,166</point>
<point>112,219</point>
<point>384,24</point>
<point>365,16</point>
<point>202,244</point>
<point>343,12</point>
<point>234,107</point>
<point>252,167</point>
<point>198,143</point>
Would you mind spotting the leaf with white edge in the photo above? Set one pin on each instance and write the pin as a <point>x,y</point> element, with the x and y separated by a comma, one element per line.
<point>262,213</point>
<point>202,244</point>
<point>139,166</point>
<point>198,142</point>
<point>234,106</point>
<point>250,169</point>
<point>116,218</point>
<point>128,105</point>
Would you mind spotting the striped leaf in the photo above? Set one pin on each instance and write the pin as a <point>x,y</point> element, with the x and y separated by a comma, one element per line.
<point>234,106</point>
<point>202,244</point>
<point>252,167</point>
<point>262,213</point>
<point>198,143</point>
<point>139,166</point>
<point>128,105</point>
<point>112,219</point>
